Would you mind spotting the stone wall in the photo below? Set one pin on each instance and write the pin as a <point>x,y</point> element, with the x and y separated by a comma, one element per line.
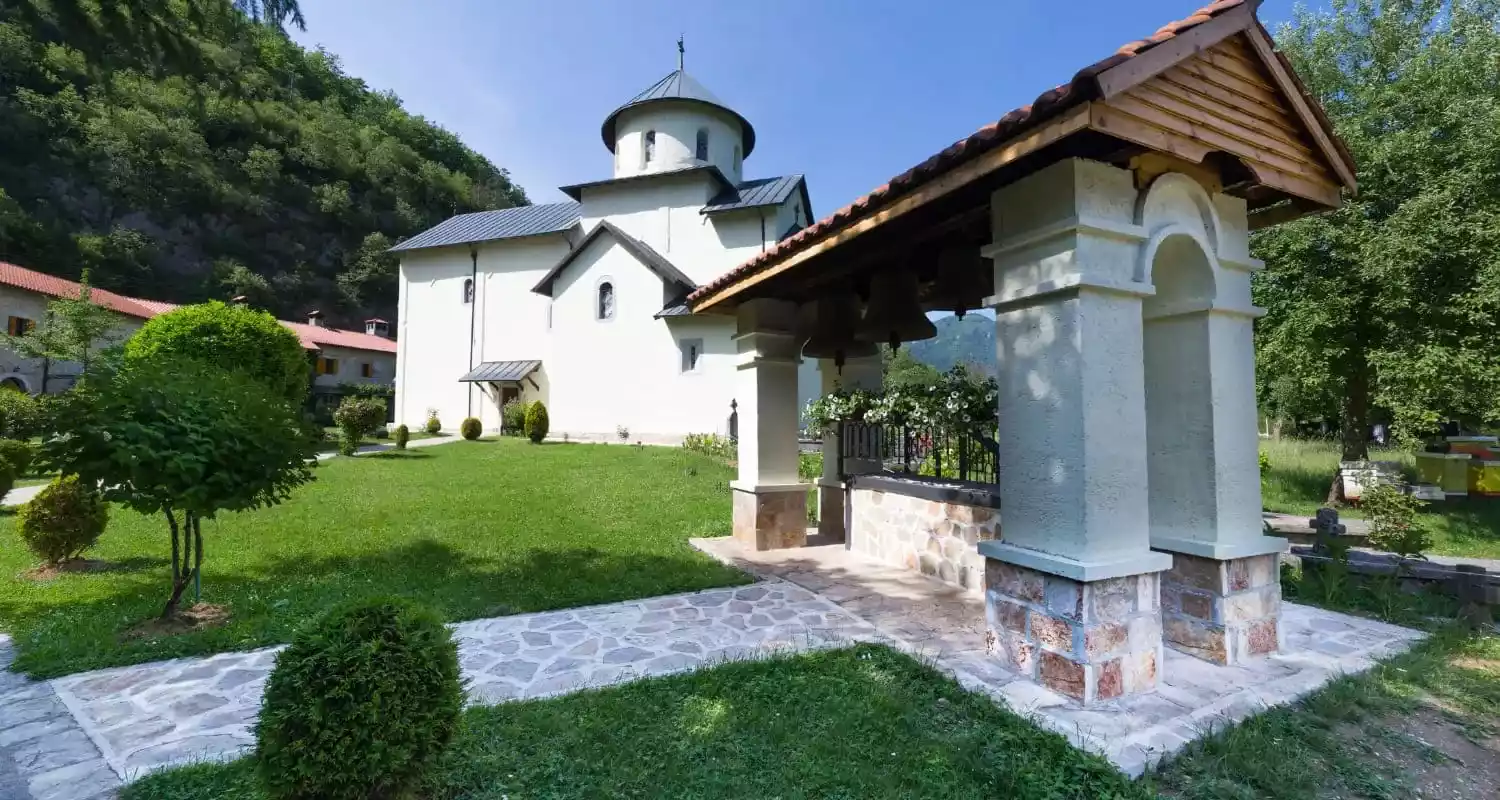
<point>771,519</point>
<point>927,526</point>
<point>1222,611</point>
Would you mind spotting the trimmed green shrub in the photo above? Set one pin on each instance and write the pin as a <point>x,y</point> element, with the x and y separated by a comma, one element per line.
<point>357,417</point>
<point>8,477</point>
<point>470,428</point>
<point>513,418</point>
<point>536,422</point>
<point>360,705</point>
<point>229,337</point>
<point>710,444</point>
<point>20,414</point>
<point>18,454</point>
<point>403,435</point>
<point>434,425</point>
<point>64,519</point>
<point>1394,526</point>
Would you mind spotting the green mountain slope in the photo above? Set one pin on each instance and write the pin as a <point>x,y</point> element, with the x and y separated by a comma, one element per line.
<point>255,167</point>
<point>969,341</point>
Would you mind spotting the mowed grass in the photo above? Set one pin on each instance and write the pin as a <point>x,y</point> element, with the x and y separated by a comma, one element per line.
<point>1301,471</point>
<point>859,722</point>
<point>472,529</point>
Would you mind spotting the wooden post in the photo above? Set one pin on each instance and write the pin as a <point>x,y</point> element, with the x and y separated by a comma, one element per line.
<point>1472,582</point>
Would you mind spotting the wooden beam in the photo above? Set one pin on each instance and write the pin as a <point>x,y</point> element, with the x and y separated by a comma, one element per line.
<point>1071,122</point>
<point>1279,213</point>
<point>1288,86</point>
<point>1147,65</point>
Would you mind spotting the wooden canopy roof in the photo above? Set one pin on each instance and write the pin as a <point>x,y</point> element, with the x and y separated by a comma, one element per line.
<point>1208,95</point>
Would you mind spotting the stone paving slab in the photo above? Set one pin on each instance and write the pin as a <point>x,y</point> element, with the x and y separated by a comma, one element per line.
<point>44,753</point>
<point>944,625</point>
<point>149,716</point>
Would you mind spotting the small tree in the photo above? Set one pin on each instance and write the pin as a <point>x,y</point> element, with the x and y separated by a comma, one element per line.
<point>1394,527</point>
<point>434,425</point>
<point>357,417</point>
<point>182,438</point>
<point>230,337</point>
<point>536,422</point>
<point>72,329</point>
<point>403,435</point>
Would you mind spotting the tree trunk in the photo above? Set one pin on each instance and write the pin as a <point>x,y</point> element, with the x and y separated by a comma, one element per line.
<point>181,575</point>
<point>1353,424</point>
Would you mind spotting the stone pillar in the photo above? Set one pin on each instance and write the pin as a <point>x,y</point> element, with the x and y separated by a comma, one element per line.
<point>770,505</point>
<point>858,373</point>
<point>1222,598</point>
<point>1073,466</point>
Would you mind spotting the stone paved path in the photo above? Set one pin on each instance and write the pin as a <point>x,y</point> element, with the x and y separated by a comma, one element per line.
<point>135,719</point>
<point>18,496</point>
<point>44,752</point>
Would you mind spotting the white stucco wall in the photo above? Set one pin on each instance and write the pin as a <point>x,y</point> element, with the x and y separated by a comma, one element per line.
<point>349,363</point>
<point>16,302</point>
<point>676,126</point>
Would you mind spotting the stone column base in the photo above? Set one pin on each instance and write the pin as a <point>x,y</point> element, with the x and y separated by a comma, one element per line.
<point>771,518</point>
<point>1224,612</point>
<point>831,512</point>
<point>1091,641</point>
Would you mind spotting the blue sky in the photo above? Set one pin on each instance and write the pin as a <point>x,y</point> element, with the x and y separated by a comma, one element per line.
<point>849,92</point>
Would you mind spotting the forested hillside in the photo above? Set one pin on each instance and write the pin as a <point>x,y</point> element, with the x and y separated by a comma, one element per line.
<point>250,166</point>
<point>969,341</point>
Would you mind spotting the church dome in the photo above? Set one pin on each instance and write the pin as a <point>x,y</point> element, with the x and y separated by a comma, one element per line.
<point>677,87</point>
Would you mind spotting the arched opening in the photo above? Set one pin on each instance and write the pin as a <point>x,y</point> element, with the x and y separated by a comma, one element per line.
<point>1177,349</point>
<point>13,383</point>
<point>606,308</point>
<point>468,290</point>
<point>700,148</point>
<point>648,152</point>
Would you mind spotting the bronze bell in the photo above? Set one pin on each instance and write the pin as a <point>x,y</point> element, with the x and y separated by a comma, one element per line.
<point>837,315</point>
<point>964,277</point>
<point>894,313</point>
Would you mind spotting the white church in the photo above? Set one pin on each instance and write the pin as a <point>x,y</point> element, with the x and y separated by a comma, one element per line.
<point>581,304</point>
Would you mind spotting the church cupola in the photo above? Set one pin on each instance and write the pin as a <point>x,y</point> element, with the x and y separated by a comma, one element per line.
<point>677,123</point>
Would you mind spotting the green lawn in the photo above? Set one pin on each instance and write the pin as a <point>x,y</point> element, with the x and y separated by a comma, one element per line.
<point>1302,470</point>
<point>851,723</point>
<point>330,441</point>
<point>471,529</point>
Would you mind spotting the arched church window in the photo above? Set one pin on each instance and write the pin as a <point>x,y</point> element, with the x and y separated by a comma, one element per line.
<point>649,152</point>
<point>468,290</point>
<point>736,158</point>
<point>606,300</point>
<point>701,152</point>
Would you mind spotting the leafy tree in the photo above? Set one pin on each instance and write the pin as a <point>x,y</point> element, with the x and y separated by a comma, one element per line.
<point>183,438</point>
<point>1389,304</point>
<point>73,329</point>
<point>357,417</point>
<point>901,368</point>
<point>231,338</point>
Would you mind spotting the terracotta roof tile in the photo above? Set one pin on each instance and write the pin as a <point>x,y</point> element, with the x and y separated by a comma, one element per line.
<point>1047,105</point>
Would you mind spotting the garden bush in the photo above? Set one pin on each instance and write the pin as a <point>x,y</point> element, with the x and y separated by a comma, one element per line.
<point>20,414</point>
<point>357,417</point>
<point>230,337</point>
<point>513,418</point>
<point>1393,521</point>
<point>64,519</point>
<point>403,435</point>
<point>360,704</point>
<point>710,444</point>
<point>536,422</point>
<point>434,425</point>
<point>18,455</point>
<point>470,428</point>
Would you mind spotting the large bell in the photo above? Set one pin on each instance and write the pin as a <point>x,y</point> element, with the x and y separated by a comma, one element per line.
<point>837,316</point>
<point>894,313</point>
<point>963,279</point>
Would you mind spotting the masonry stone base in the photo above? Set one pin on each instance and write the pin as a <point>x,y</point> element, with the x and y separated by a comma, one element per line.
<point>1090,641</point>
<point>934,537</point>
<point>1225,612</point>
<point>771,520</point>
<point>831,513</point>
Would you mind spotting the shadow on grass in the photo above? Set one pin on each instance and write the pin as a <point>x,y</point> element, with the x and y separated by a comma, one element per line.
<point>396,455</point>
<point>1470,521</point>
<point>271,601</point>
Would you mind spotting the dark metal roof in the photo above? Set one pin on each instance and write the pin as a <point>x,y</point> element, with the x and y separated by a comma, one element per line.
<point>643,253</point>
<point>676,308</point>
<point>677,87</point>
<point>759,192</point>
<point>507,223</point>
<point>575,190</point>
<point>501,371</point>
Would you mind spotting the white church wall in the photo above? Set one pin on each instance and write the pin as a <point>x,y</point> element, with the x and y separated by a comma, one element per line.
<point>676,126</point>
<point>432,350</point>
<point>513,324</point>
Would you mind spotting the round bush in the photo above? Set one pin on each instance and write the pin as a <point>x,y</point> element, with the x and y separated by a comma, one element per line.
<point>20,414</point>
<point>434,425</point>
<point>64,519</point>
<point>513,418</point>
<point>403,435</point>
<point>18,454</point>
<point>231,337</point>
<point>470,428</point>
<point>536,421</point>
<point>360,705</point>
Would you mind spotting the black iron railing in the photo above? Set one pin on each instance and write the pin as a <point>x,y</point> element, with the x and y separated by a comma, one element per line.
<point>904,449</point>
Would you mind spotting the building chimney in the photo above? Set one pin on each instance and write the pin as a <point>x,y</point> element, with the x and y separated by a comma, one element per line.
<point>378,327</point>
<point>315,318</point>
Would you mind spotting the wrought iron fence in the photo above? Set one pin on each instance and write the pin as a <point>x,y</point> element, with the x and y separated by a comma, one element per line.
<point>903,449</point>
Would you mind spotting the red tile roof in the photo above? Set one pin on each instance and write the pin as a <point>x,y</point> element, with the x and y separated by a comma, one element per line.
<point>312,337</point>
<point>1047,105</point>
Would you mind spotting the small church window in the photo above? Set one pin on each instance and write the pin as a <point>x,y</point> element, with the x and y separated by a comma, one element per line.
<point>736,158</point>
<point>468,290</point>
<point>692,351</point>
<point>701,152</point>
<point>606,300</point>
<point>650,150</point>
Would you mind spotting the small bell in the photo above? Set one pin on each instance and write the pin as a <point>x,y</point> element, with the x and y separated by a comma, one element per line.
<point>964,277</point>
<point>836,317</point>
<point>894,313</point>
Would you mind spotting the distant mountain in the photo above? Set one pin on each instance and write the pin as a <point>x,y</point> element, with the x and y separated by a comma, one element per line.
<point>969,341</point>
